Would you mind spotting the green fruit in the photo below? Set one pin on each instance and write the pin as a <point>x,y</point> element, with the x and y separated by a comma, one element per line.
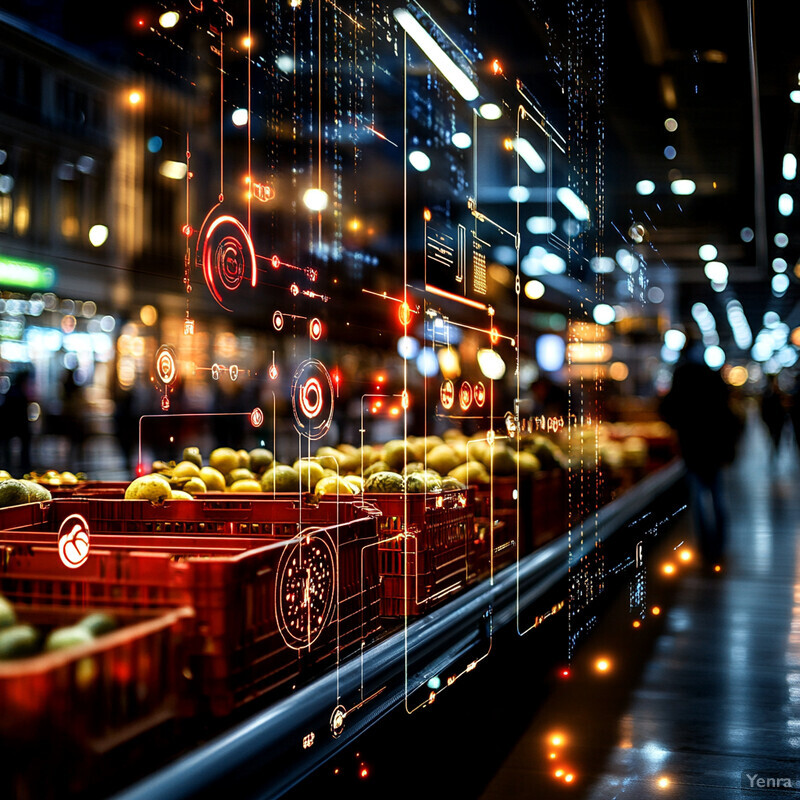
<point>449,484</point>
<point>194,486</point>
<point>224,459</point>
<point>213,479</point>
<point>378,466</point>
<point>310,472</point>
<point>433,441</point>
<point>355,482</point>
<point>347,449</point>
<point>329,457</point>
<point>186,469</point>
<point>528,463</point>
<point>333,485</point>
<point>18,641</point>
<point>4,475</point>
<point>423,482</point>
<point>471,473</point>
<point>61,638</point>
<point>13,493</point>
<point>500,459</point>
<point>7,614</point>
<point>178,494</point>
<point>247,485</point>
<point>414,466</point>
<point>68,478</point>
<point>98,623</point>
<point>36,492</point>
<point>238,474</point>
<point>154,488</point>
<point>244,459</point>
<point>280,478</point>
<point>260,460</point>
<point>442,459</point>
<point>192,454</point>
<point>384,482</point>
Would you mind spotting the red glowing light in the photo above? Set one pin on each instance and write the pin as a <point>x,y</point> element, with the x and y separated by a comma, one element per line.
<point>427,215</point>
<point>165,403</point>
<point>656,610</point>
<point>479,394</point>
<point>565,673</point>
<point>187,230</point>
<point>395,411</point>
<point>311,398</point>
<point>404,313</point>
<point>380,378</point>
<point>256,417</point>
<point>277,321</point>
<point>73,541</point>
<point>465,395</point>
<point>637,623</point>
<point>494,335</point>
<point>273,371</point>
<point>225,257</point>
<point>447,394</point>
<point>140,22</point>
<point>166,369</point>
<point>276,262</point>
<point>497,67</point>
<point>404,399</point>
<point>315,329</point>
<point>294,289</point>
<point>364,772</point>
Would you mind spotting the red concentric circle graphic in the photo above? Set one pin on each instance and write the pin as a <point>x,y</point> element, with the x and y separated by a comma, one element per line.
<point>228,256</point>
<point>447,394</point>
<point>465,395</point>
<point>312,399</point>
<point>256,417</point>
<point>166,368</point>
<point>479,393</point>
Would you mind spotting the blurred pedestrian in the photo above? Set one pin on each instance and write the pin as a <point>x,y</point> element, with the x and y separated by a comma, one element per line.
<point>14,424</point>
<point>773,412</point>
<point>698,407</point>
<point>73,416</point>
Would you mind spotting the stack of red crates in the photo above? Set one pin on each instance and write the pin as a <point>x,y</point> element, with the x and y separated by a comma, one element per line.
<point>236,563</point>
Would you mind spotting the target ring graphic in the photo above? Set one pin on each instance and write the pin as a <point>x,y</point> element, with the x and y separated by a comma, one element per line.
<point>312,399</point>
<point>227,258</point>
<point>166,366</point>
<point>305,589</point>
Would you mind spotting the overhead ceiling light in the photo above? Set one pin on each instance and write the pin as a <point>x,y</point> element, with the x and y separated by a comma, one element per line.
<point>461,140</point>
<point>674,339</point>
<point>780,283</point>
<point>603,314</point>
<point>490,111</point>
<point>419,160</point>
<point>795,96</point>
<point>491,364</point>
<point>683,186</point>
<point>781,239</point>
<point>719,286</point>
<point>519,194</point>
<point>714,356</point>
<point>239,117</point>
<point>315,199</point>
<point>670,152</point>
<point>573,203</point>
<point>716,271</point>
<point>671,124</point>
<point>746,235</point>
<point>771,319</point>
<point>707,252</point>
<point>554,264</point>
<point>540,224</point>
<point>98,235</point>
<point>169,19</point>
<point>285,63</point>
<point>602,264</point>
<point>459,80</point>
<point>645,187</point>
<point>789,167</point>
<point>550,352</point>
<point>785,204</point>
<point>529,155</point>
<point>175,170</point>
<point>534,289</point>
<point>627,261</point>
<point>655,294</point>
<point>779,264</point>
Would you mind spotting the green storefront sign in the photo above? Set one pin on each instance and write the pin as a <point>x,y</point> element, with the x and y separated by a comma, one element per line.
<point>21,274</point>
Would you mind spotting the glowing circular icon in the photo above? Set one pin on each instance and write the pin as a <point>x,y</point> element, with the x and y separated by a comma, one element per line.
<point>404,313</point>
<point>276,262</point>
<point>305,588</point>
<point>165,403</point>
<point>73,541</point>
<point>272,371</point>
<point>404,399</point>
<point>166,368</point>
<point>315,329</point>
<point>256,417</point>
<point>277,321</point>
<point>215,371</point>
<point>447,394</point>
<point>228,255</point>
<point>337,721</point>
<point>233,371</point>
<point>465,395</point>
<point>294,289</point>
<point>494,335</point>
<point>312,399</point>
<point>479,394</point>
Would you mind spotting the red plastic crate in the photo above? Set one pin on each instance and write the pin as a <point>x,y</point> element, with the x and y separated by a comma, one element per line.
<point>497,522</point>
<point>548,506</point>
<point>144,556</point>
<point>423,549</point>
